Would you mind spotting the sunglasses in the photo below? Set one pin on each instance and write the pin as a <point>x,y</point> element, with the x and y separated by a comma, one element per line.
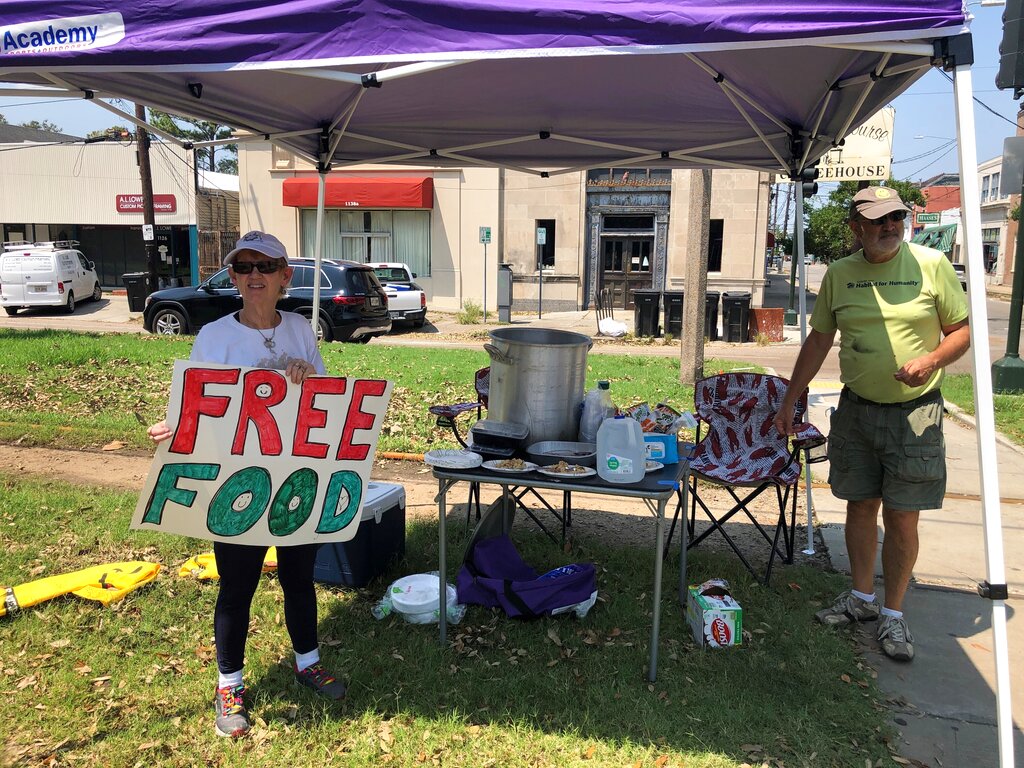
<point>895,217</point>
<point>264,267</point>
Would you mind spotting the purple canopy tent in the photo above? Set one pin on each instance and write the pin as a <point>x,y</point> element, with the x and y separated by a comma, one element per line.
<point>592,83</point>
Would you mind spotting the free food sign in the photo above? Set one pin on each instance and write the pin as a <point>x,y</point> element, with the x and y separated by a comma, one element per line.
<point>255,459</point>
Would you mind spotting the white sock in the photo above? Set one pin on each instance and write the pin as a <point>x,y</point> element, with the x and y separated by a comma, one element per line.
<point>866,598</point>
<point>891,613</point>
<point>303,660</point>
<point>229,680</point>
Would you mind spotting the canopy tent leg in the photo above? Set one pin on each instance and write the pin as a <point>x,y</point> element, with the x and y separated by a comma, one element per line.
<point>318,248</point>
<point>983,405</point>
<point>798,257</point>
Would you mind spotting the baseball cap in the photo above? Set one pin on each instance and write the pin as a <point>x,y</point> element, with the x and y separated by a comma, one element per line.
<point>260,242</point>
<point>876,202</point>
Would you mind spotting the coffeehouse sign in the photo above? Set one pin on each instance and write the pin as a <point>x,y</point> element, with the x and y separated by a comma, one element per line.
<point>133,204</point>
<point>866,154</point>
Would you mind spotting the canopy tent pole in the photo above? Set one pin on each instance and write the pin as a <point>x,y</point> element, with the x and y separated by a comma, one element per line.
<point>994,587</point>
<point>318,247</point>
<point>798,232</point>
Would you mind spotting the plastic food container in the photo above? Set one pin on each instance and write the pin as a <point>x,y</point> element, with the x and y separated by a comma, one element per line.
<point>549,452</point>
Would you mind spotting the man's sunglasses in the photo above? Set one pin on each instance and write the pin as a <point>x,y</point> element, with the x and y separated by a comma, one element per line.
<point>895,217</point>
<point>264,267</point>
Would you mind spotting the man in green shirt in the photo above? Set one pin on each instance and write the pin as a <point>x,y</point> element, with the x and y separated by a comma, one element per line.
<point>902,317</point>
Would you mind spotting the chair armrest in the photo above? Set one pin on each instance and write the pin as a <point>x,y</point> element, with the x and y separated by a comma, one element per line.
<point>806,438</point>
<point>451,411</point>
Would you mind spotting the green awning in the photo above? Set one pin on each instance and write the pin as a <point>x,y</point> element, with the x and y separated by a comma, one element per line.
<point>941,238</point>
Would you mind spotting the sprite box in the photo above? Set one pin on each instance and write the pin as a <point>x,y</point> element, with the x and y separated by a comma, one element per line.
<point>713,614</point>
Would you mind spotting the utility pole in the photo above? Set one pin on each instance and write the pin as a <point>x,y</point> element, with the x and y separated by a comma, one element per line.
<point>1008,371</point>
<point>148,216</point>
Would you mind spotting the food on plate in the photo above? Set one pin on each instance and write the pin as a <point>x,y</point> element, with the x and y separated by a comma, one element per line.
<point>565,468</point>
<point>511,464</point>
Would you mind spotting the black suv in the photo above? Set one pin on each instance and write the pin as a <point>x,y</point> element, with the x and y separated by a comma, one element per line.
<point>353,305</point>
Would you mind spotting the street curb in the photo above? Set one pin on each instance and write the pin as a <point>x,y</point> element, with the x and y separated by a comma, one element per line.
<point>966,420</point>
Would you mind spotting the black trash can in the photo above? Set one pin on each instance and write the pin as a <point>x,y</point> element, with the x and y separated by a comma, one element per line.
<point>645,318</point>
<point>711,315</point>
<point>736,315</point>
<point>674,313</point>
<point>138,287</point>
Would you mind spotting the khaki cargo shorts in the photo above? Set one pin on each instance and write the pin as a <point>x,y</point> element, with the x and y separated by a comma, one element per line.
<point>893,452</point>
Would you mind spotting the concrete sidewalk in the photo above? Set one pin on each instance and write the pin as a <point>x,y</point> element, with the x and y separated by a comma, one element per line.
<point>944,703</point>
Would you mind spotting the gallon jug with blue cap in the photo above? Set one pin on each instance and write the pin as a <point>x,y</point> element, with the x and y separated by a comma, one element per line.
<point>621,453</point>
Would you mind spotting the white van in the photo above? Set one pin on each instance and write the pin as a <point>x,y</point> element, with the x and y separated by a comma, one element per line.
<point>50,274</point>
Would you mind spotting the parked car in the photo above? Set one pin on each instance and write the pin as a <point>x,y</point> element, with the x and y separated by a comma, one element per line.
<point>46,274</point>
<point>353,305</point>
<point>808,260</point>
<point>961,272</point>
<point>406,300</point>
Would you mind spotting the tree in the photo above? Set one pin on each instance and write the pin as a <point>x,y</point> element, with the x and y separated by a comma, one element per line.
<point>3,120</point>
<point>191,129</point>
<point>827,236</point>
<point>45,125</point>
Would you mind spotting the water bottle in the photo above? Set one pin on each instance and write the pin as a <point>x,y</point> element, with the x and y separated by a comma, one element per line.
<point>621,453</point>
<point>597,406</point>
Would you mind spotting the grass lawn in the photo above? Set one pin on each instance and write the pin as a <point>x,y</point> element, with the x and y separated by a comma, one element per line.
<point>132,684</point>
<point>86,390</point>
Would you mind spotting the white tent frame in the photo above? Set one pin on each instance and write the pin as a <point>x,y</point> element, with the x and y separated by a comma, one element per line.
<point>994,588</point>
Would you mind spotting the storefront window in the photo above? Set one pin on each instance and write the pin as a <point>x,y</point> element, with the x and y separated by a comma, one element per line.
<point>365,236</point>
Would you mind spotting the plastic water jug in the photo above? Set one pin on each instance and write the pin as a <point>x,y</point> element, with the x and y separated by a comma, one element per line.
<point>621,453</point>
<point>597,406</point>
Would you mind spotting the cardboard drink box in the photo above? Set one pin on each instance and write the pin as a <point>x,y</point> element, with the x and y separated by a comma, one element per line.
<point>714,616</point>
<point>379,539</point>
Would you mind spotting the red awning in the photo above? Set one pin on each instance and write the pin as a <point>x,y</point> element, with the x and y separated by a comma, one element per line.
<point>366,192</point>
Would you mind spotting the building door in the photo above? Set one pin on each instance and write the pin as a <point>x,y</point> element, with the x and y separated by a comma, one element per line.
<point>625,266</point>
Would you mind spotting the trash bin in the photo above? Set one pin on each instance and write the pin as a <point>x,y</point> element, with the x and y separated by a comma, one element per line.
<point>674,313</point>
<point>504,293</point>
<point>711,315</point>
<point>138,287</point>
<point>736,315</point>
<point>645,319</point>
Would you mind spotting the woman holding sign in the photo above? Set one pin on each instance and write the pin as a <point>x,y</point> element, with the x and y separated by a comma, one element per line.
<point>260,336</point>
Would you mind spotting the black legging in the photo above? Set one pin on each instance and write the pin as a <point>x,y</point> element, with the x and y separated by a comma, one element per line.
<point>240,567</point>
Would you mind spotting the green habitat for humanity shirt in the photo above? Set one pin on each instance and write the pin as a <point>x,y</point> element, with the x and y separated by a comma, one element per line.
<point>888,314</point>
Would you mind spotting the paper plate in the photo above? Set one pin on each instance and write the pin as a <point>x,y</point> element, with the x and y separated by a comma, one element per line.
<point>449,459</point>
<point>496,466</point>
<point>654,466</point>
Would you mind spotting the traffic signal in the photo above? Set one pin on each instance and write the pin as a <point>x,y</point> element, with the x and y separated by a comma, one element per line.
<point>808,183</point>
<point>1011,48</point>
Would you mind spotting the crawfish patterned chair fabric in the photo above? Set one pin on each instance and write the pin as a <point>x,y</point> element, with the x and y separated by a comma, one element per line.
<point>739,447</point>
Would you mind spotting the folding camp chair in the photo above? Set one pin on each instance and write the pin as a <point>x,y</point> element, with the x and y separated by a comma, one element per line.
<point>741,448</point>
<point>604,306</point>
<point>447,416</point>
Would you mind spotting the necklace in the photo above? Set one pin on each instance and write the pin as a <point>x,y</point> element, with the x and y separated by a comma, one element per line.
<point>268,341</point>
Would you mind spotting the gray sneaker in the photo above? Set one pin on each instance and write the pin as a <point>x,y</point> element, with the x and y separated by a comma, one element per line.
<point>847,609</point>
<point>895,638</point>
<point>232,718</point>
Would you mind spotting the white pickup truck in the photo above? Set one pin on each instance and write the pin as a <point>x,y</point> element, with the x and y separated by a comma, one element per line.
<point>406,300</point>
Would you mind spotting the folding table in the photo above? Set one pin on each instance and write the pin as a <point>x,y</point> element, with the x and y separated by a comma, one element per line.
<point>655,490</point>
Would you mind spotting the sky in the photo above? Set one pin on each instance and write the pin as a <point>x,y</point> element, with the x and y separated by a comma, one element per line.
<point>926,110</point>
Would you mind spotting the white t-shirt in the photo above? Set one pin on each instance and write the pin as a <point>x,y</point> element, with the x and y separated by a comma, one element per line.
<point>229,342</point>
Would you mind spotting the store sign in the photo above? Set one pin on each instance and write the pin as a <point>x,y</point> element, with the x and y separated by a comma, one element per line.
<point>133,204</point>
<point>866,154</point>
<point>928,218</point>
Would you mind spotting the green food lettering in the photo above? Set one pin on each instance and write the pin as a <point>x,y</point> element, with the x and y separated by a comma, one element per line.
<point>166,488</point>
<point>344,492</point>
<point>293,502</point>
<point>239,503</point>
